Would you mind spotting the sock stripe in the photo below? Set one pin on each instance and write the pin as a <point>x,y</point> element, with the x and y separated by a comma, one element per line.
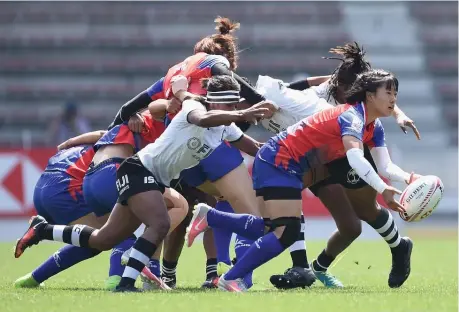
<point>67,234</point>
<point>396,243</point>
<point>386,226</point>
<point>323,267</point>
<point>131,273</point>
<point>141,257</point>
<point>76,232</point>
<point>389,230</point>
<point>58,231</point>
<point>391,234</point>
<point>298,245</point>
<point>135,264</point>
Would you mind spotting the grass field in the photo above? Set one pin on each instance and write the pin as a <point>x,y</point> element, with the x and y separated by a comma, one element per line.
<point>364,269</point>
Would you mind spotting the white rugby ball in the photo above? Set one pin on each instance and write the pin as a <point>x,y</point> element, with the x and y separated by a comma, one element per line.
<point>421,197</point>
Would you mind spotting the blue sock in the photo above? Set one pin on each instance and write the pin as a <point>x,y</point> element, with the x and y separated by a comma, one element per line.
<point>115,258</point>
<point>155,267</point>
<point>246,225</point>
<point>261,251</point>
<point>61,260</point>
<point>222,237</point>
<point>241,247</point>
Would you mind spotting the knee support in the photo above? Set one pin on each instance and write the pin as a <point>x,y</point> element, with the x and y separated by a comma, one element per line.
<point>291,230</point>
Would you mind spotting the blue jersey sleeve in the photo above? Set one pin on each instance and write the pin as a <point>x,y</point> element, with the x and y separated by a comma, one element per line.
<point>210,60</point>
<point>379,138</point>
<point>351,123</point>
<point>156,88</point>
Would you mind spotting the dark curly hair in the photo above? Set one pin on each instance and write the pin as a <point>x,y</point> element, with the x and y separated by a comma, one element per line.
<point>352,64</point>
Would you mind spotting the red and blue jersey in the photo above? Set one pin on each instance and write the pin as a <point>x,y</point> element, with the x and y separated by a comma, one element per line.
<point>73,162</point>
<point>121,134</point>
<point>317,140</point>
<point>195,68</point>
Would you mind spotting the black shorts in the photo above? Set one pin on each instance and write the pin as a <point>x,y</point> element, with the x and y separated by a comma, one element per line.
<point>133,178</point>
<point>342,173</point>
<point>279,193</point>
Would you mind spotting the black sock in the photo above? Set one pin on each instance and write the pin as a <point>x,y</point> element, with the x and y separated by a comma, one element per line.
<point>76,235</point>
<point>386,227</point>
<point>169,268</point>
<point>211,268</point>
<point>298,249</point>
<point>139,257</point>
<point>322,262</point>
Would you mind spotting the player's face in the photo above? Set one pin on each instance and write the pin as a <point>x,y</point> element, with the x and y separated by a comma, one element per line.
<point>384,100</point>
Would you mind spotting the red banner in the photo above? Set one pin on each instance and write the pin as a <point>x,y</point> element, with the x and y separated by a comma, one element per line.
<point>20,170</point>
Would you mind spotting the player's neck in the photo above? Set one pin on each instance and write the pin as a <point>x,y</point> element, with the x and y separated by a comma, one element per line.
<point>370,114</point>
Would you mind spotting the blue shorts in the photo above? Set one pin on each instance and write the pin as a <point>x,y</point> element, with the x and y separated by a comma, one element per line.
<point>99,186</point>
<point>224,159</point>
<point>267,178</point>
<point>54,201</point>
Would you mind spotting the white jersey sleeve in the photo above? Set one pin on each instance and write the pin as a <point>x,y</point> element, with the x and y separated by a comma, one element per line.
<point>322,92</point>
<point>190,105</point>
<point>232,133</point>
<point>294,104</point>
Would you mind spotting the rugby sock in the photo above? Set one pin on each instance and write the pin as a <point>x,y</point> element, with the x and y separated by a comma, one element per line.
<point>386,227</point>
<point>298,249</point>
<point>211,268</point>
<point>260,252</point>
<point>322,262</point>
<point>155,267</point>
<point>241,247</point>
<point>139,257</point>
<point>115,257</point>
<point>222,237</point>
<point>61,260</point>
<point>76,235</point>
<point>246,225</point>
<point>169,268</point>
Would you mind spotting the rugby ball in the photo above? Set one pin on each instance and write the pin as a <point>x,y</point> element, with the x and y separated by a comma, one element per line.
<point>421,197</point>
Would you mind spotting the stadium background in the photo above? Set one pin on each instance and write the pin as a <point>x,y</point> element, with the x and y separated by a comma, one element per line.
<point>97,55</point>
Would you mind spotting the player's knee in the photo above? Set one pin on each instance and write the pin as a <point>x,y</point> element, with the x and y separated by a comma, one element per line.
<point>162,227</point>
<point>102,242</point>
<point>286,229</point>
<point>370,213</point>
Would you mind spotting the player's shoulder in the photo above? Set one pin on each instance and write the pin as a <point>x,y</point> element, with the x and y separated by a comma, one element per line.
<point>209,60</point>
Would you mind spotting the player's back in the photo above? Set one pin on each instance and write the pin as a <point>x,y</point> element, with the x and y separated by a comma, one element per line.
<point>73,161</point>
<point>195,68</point>
<point>316,140</point>
<point>121,134</point>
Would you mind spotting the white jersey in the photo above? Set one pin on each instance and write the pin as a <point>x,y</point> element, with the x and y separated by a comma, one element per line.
<point>294,104</point>
<point>322,92</point>
<point>182,145</point>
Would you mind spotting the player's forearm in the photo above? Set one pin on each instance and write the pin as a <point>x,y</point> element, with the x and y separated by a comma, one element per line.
<point>215,118</point>
<point>139,102</point>
<point>386,167</point>
<point>82,139</point>
<point>308,82</point>
<point>158,108</point>
<point>364,169</point>
<point>247,145</point>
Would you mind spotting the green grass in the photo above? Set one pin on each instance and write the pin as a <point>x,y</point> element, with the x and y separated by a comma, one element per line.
<point>363,269</point>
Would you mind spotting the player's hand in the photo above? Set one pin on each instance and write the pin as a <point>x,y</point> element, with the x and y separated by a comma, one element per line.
<point>388,196</point>
<point>173,105</point>
<point>136,123</point>
<point>179,83</point>
<point>404,121</point>
<point>63,145</point>
<point>413,177</point>
<point>273,107</point>
<point>255,113</point>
